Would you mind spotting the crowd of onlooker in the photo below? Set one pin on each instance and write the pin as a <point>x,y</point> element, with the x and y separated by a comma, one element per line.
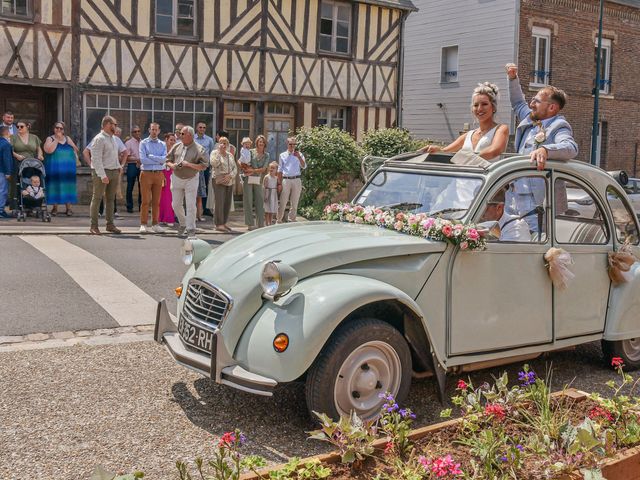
<point>181,176</point>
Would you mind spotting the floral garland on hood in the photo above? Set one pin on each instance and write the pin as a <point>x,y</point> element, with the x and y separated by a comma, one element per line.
<point>467,237</point>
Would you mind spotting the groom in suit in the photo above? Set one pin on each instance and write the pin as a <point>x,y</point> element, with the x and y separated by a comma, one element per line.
<point>542,134</point>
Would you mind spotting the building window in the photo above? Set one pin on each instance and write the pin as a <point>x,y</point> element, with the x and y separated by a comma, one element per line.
<point>541,49</point>
<point>138,110</point>
<point>334,117</point>
<point>176,17</point>
<point>278,125</point>
<point>605,65</point>
<point>335,27</point>
<point>449,67</point>
<point>238,121</point>
<point>15,8</point>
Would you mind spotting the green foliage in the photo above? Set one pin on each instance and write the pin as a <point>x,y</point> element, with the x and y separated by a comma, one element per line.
<point>350,435</point>
<point>387,142</point>
<point>295,469</point>
<point>333,158</point>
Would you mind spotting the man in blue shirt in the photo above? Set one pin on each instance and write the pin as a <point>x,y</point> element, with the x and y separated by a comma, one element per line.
<point>290,167</point>
<point>6,167</point>
<point>153,154</point>
<point>206,142</point>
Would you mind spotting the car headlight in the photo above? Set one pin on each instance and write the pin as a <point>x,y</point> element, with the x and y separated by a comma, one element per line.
<point>277,279</point>
<point>194,251</point>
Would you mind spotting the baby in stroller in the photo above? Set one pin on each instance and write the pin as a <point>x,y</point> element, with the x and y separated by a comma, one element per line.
<point>31,176</point>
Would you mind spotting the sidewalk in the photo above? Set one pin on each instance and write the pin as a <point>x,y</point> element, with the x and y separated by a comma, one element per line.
<point>79,224</point>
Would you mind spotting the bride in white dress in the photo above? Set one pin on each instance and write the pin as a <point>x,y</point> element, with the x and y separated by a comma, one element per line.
<point>488,141</point>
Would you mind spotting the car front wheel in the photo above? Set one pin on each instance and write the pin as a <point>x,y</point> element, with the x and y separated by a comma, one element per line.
<point>361,360</point>
<point>628,350</point>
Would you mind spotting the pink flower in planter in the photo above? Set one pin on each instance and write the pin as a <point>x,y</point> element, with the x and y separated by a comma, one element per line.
<point>496,410</point>
<point>442,467</point>
<point>462,385</point>
<point>599,412</point>
<point>388,448</point>
<point>227,439</point>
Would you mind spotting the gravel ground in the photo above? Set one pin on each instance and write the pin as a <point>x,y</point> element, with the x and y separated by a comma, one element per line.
<point>127,407</point>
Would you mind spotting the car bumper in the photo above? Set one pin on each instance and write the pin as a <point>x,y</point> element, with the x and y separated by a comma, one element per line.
<point>218,366</point>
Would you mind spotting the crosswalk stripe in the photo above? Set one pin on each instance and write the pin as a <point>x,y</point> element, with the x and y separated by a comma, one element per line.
<point>121,298</point>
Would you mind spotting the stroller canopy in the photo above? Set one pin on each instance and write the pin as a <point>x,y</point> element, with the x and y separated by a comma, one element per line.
<point>31,163</point>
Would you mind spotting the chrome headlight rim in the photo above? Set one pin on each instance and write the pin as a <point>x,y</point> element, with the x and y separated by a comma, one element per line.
<point>276,279</point>
<point>194,251</point>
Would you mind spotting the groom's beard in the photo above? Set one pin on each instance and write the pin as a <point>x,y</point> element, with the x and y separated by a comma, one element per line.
<point>534,117</point>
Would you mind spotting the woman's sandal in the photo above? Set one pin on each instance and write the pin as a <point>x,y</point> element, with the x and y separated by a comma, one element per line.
<point>69,213</point>
<point>54,212</point>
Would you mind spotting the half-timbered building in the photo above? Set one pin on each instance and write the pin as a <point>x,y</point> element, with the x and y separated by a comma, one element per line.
<point>248,66</point>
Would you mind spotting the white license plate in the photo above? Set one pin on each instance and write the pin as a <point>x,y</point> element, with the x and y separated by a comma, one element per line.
<point>195,336</point>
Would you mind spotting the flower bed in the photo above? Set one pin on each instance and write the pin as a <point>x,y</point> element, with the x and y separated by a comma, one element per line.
<point>520,432</point>
<point>467,237</point>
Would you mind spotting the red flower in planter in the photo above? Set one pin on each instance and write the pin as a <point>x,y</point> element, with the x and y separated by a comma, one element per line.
<point>388,449</point>
<point>617,362</point>
<point>599,412</point>
<point>462,385</point>
<point>227,439</point>
<point>441,467</point>
<point>496,410</point>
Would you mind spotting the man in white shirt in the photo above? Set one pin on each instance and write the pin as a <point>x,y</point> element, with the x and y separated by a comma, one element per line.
<point>105,169</point>
<point>512,227</point>
<point>290,167</point>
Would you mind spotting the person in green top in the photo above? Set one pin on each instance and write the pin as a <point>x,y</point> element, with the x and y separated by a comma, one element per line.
<point>254,172</point>
<point>25,145</point>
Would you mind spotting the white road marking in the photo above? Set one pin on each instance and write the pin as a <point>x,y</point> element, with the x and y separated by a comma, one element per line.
<point>121,298</point>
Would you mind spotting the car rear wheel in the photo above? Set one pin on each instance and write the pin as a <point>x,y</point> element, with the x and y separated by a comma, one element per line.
<point>628,350</point>
<point>361,360</point>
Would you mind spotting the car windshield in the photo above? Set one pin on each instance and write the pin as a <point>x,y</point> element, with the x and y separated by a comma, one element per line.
<point>421,192</point>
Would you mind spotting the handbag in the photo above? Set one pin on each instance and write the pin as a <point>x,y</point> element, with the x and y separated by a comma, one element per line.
<point>253,180</point>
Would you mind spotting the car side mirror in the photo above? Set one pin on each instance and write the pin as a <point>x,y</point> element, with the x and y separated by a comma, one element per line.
<point>489,230</point>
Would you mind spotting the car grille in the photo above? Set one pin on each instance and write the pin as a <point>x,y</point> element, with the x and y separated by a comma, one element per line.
<point>205,304</point>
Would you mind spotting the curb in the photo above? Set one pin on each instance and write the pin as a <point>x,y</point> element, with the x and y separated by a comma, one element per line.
<point>101,336</point>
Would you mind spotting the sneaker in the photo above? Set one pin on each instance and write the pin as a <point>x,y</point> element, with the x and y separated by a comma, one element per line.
<point>158,229</point>
<point>113,229</point>
<point>143,229</point>
<point>117,215</point>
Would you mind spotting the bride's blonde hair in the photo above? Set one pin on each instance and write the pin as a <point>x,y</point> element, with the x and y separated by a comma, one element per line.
<point>490,90</point>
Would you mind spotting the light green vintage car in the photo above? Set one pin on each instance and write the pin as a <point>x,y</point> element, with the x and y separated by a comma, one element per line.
<point>356,310</point>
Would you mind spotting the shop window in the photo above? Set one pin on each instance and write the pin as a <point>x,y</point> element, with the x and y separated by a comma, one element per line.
<point>132,110</point>
<point>334,117</point>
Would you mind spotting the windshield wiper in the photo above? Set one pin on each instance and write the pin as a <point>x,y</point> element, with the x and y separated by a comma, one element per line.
<point>447,210</point>
<point>409,205</point>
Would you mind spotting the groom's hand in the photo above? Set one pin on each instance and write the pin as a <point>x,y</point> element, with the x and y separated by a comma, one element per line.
<point>512,70</point>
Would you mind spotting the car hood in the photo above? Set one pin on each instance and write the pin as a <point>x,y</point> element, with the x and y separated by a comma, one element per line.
<point>310,248</point>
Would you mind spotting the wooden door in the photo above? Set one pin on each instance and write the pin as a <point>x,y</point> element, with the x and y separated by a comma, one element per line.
<point>37,106</point>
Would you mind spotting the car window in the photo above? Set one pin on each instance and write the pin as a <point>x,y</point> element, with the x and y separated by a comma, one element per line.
<point>424,193</point>
<point>519,207</point>
<point>626,230</point>
<point>579,218</point>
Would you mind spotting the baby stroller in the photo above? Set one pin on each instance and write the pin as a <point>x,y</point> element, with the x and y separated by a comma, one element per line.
<point>31,167</point>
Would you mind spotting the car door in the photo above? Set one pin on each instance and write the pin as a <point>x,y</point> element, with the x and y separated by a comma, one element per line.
<point>580,227</point>
<point>501,298</point>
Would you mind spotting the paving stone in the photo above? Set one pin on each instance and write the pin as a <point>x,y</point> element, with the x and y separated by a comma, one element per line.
<point>63,335</point>
<point>126,329</point>
<point>36,337</point>
<point>84,333</point>
<point>146,328</point>
<point>11,339</point>
<point>104,331</point>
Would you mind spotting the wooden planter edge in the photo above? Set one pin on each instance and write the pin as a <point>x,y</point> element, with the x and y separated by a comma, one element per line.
<point>624,465</point>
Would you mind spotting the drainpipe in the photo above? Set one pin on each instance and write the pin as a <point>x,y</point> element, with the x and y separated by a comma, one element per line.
<point>400,86</point>
<point>596,92</point>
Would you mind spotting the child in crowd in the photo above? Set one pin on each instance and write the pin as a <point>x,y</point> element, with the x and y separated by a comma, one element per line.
<point>270,184</point>
<point>34,191</point>
<point>245,154</point>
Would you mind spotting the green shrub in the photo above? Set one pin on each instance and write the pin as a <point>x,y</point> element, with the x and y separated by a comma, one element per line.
<point>333,157</point>
<point>387,142</point>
